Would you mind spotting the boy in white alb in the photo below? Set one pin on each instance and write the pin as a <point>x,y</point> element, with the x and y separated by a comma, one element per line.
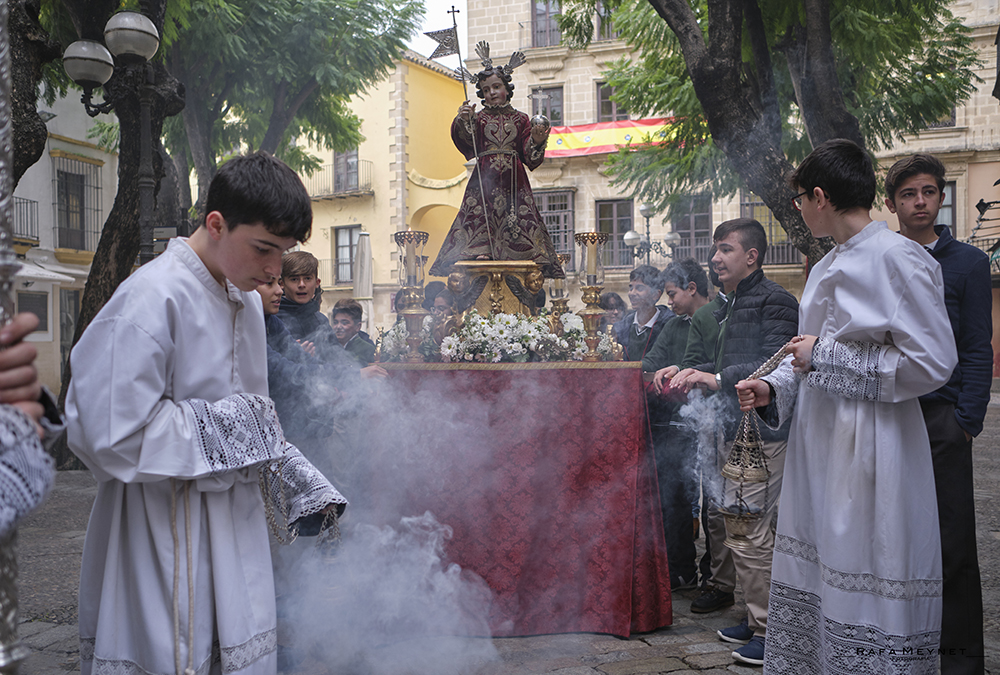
<point>168,407</point>
<point>856,576</point>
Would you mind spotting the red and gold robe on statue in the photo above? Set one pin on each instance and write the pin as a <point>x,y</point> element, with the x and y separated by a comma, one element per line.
<point>506,224</point>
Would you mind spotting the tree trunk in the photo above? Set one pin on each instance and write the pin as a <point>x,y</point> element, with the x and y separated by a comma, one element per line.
<point>30,48</point>
<point>119,245</point>
<point>742,124</point>
<point>813,71</point>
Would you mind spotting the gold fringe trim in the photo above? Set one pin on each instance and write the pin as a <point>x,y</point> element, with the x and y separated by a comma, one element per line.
<point>545,365</point>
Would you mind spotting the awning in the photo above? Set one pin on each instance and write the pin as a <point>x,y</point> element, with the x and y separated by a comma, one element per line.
<point>604,137</point>
<point>32,272</point>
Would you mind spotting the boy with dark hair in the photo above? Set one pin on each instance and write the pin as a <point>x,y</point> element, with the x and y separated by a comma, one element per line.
<point>300,306</point>
<point>686,286</point>
<point>347,316</point>
<point>636,332</point>
<point>758,320</point>
<point>856,581</point>
<point>168,408</point>
<point>954,413</point>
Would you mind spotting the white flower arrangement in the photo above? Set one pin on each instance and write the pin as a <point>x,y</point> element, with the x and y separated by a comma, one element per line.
<point>513,337</point>
<point>393,346</point>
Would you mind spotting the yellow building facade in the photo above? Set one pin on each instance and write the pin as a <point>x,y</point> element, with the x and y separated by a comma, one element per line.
<point>405,173</point>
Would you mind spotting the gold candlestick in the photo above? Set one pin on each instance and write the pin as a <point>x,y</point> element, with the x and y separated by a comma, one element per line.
<point>559,307</point>
<point>592,283</point>
<point>410,307</point>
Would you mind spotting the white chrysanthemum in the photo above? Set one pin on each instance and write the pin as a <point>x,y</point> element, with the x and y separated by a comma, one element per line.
<point>571,322</point>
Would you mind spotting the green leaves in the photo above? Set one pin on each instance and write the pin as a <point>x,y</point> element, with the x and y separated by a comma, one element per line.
<point>262,72</point>
<point>902,64</point>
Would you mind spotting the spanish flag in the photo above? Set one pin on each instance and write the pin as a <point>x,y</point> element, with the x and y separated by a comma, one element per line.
<point>604,137</point>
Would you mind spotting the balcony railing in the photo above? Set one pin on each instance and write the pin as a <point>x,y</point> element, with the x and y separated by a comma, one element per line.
<point>991,246</point>
<point>25,219</point>
<point>783,254</point>
<point>329,183</point>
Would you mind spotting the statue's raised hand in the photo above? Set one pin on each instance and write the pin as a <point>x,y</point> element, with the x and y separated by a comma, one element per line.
<point>466,111</point>
<point>539,134</point>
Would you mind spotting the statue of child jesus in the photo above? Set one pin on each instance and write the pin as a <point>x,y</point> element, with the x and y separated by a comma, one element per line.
<point>498,219</point>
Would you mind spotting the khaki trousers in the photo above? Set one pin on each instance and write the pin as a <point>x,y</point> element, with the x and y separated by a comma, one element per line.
<point>752,565</point>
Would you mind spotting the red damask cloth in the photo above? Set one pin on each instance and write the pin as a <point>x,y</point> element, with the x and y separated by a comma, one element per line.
<point>544,474</point>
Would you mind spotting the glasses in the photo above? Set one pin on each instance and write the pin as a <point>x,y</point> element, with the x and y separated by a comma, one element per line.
<point>797,200</point>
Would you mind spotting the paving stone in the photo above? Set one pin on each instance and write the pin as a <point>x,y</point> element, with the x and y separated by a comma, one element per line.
<point>743,670</point>
<point>29,628</point>
<point>44,663</point>
<point>643,666</point>
<point>666,640</point>
<point>708,647</point>
<point>616,645</point>
<point>49,637</point>
<point>65,646</point>
<point>710,660</point>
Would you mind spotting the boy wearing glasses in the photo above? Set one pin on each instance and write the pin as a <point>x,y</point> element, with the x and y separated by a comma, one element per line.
<point>856,576</point>
<point>954,413</point>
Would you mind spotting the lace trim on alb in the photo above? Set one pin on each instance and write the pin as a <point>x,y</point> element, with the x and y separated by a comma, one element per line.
<point>801,640</point>
<point>852,582</point>
<point>786,392</point>
<point>306,489</point>
<point>26,470</point>
<point>240,656</point>
<point>123,666</point>
<point>237,431</point>
<point>232,659</point>
<point>848,369</point>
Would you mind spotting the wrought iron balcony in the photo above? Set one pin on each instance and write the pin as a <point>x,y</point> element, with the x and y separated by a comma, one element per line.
<point>331,183</point>
<point>26,219</point>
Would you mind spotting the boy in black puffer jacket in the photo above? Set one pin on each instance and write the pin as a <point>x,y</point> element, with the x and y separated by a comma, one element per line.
<point>759,318</point>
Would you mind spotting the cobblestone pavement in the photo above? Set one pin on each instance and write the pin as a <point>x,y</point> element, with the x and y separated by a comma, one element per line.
<point>51,543</point>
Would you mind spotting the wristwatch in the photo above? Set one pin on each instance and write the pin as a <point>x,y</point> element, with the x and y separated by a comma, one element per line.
<point>718,380</point>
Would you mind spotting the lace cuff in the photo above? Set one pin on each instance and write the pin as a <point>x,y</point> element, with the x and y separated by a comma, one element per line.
<point>237,431</point>
<point>302,489</point>
<point>849,369</point>
<point>26,470</point>
<point>785,383</point>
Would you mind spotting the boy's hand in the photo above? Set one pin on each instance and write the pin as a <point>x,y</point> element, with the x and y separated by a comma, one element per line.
<point>374,373</point>
<point>19,384</point>
<point>308,347</point>
<point>753,394</point>
<point>801,349</point>
<point>18,376</point>
<point>689,378</point>
<point>662,374</point>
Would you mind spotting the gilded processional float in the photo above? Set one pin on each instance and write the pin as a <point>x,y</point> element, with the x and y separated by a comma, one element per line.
<point>498,255</point>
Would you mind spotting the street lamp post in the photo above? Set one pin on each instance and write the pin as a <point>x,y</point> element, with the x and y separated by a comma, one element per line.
<point>644,246</point>
<point>133,39</point>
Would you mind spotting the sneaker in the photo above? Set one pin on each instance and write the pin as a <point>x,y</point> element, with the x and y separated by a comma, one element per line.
<point>711,600</point>
<point>752,652</point>
<point>740,634</point>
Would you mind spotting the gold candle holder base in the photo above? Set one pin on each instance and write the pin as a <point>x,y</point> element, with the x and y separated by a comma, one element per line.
<point>591,315</point>
<point>410,307</point>
<point>559,307</point>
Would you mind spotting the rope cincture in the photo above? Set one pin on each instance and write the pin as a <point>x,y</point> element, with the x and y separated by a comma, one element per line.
<point>177,574</point>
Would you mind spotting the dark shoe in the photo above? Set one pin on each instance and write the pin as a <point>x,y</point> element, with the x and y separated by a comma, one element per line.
<point>740,634</point>
<point>711,600</point>
<point>752,652</point>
